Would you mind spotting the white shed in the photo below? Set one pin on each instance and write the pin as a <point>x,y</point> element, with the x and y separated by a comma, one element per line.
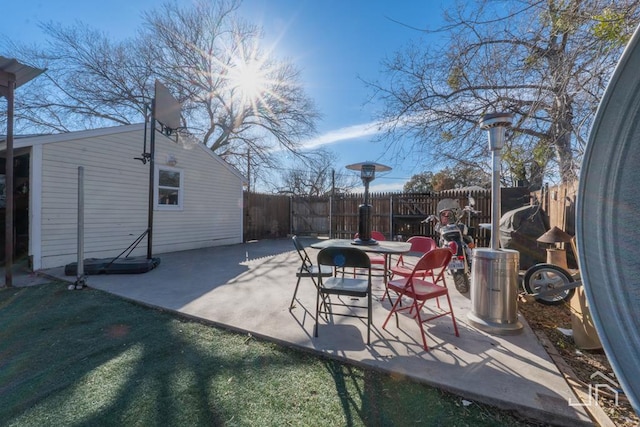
<point>197,195</point>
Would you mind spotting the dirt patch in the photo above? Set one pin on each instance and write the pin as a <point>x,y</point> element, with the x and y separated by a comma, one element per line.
<point>548,323</point>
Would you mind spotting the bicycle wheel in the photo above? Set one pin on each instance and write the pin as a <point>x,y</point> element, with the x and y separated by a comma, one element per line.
<point>545,278</point>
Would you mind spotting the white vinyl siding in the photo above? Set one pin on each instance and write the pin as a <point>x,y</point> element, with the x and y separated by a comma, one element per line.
<point>116,198</point>
<point>212,202</point>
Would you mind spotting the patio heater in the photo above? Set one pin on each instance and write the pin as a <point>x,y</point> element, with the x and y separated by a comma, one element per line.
<point>494,271</point>
<point>367,174</point>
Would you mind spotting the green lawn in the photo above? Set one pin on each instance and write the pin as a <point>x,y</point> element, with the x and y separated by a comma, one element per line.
<point>82,358</point>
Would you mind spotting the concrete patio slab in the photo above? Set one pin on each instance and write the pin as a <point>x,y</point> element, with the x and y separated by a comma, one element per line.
<point>248,288</point>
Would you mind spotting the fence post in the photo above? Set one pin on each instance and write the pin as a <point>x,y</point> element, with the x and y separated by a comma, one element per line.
<point>290,215</point>
<point>331,216</point>
<point>391,217</point>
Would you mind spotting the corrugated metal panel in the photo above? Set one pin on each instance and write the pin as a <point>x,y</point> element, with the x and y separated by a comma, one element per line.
<point>22,73</point>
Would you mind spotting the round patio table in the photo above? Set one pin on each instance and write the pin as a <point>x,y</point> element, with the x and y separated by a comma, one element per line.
<point>384,247</point>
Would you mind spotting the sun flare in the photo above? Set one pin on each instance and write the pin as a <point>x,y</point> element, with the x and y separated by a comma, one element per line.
<point>249,80</point>
<point>252,81</point>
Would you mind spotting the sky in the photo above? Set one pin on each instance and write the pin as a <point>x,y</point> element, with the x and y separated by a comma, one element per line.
<point>334,43</point>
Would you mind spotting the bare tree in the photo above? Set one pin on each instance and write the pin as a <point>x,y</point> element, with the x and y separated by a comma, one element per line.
<point>316,176</point>
<point>547,62</point>
<point>235,94</point>
<point>90,81</point>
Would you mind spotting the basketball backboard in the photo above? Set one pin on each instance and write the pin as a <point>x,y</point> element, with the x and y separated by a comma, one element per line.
<point>167,108</point>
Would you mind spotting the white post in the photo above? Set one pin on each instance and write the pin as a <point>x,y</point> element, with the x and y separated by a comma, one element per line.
<point>80,278</point>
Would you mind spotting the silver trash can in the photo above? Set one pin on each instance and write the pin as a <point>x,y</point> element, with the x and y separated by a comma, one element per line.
<point>494,291</point>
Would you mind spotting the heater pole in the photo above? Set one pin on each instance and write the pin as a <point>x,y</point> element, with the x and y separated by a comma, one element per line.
<point>495,199</point>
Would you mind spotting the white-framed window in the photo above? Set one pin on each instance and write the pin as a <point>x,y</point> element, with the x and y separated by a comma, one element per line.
<point>169,188</point>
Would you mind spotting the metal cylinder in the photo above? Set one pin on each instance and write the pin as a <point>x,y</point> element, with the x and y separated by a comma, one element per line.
<point>607,221</point>
<point>364,222</point>
<point>364,216</point>
<point>494,291</point>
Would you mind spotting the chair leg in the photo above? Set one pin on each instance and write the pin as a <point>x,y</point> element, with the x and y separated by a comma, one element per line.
<point>393,311</point>
<point>387,294</point>
<point>324,297</point>
<point>369,318</point>
<point>315,328</point>
<point>324,303</point>
<point>294,293</point>
<point>455,325</point>
<point>419,320</point>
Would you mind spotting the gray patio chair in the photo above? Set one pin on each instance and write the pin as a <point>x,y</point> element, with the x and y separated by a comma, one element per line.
<point>307,269</point>
<point>355,288</point>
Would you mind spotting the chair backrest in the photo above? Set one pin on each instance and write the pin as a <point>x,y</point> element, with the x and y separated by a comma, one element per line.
<point>344,257</point>
<point>306,261</point>
<point>422,244</point>
<point>435,259</point>
<point>378,236</point>
<point>374,235</point>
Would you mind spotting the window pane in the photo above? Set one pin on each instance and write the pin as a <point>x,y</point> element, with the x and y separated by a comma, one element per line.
<point>169,178</point>
<point>167,197</point>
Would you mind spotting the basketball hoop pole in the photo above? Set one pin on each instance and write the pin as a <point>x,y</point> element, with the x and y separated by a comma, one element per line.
<point>165,109</point>
<point>152,157</point>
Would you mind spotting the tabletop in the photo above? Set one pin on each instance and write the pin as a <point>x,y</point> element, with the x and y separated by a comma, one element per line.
<point>383,246</point>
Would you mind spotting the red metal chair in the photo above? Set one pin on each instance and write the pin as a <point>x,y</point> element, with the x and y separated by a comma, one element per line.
<point>419,290</point>
<point>420,245</point>
<point>375,258</point>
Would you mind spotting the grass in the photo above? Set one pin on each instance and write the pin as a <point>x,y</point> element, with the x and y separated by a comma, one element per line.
<point>89,358</point>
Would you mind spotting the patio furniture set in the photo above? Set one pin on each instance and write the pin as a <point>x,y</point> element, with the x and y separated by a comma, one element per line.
<point>343,271</point>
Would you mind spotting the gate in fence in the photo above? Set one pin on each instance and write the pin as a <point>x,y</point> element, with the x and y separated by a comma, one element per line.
<point>310,215</point>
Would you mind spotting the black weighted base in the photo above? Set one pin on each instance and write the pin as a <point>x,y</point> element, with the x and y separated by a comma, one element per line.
<point>132,265</point>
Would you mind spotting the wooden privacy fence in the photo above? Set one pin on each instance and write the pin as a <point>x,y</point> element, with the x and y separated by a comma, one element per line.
<point>559,204</point>
<point>396,215</point>
<point>266,215</point>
